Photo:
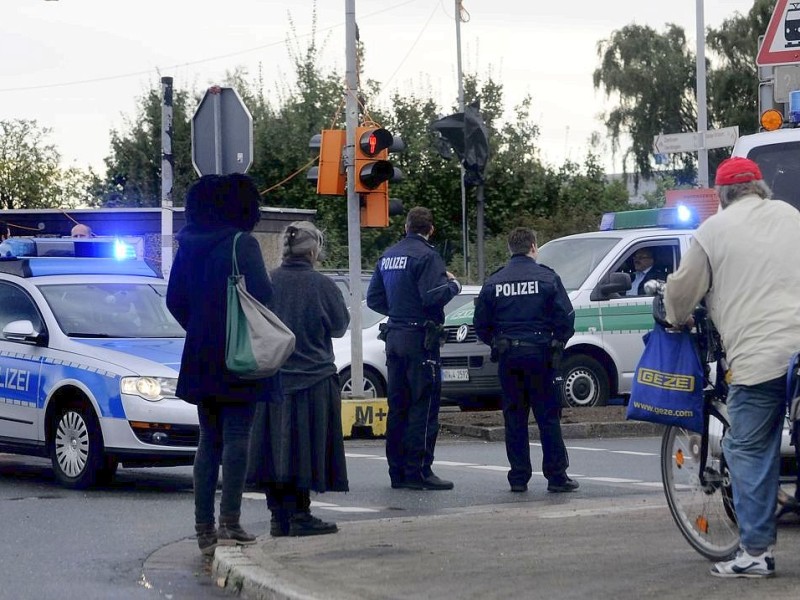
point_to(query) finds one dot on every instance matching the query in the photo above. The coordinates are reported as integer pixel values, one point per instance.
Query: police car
(88, 359)
(595, 268)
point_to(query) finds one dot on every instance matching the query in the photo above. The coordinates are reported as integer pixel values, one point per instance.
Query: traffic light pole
(353, 205)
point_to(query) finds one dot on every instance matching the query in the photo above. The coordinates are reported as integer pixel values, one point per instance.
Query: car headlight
(149, 388)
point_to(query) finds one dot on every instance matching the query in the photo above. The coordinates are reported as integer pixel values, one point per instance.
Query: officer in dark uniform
(524, 313)
(411, 285)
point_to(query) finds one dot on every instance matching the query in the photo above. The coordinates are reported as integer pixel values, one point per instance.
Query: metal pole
(217, 133)
(353, 205)
(464, 228)
(702, 104)
(479, 226)
(167, 170)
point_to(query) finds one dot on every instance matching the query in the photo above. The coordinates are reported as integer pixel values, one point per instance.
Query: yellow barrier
(364, 417)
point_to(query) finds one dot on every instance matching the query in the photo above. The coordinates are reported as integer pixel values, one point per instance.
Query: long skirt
(299, 440)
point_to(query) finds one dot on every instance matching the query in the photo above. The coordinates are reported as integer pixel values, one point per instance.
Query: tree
(733, 84)
(29, 166)
(653, 77)
(133, 170)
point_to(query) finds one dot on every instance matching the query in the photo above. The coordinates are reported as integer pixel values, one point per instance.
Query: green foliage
(30, 174)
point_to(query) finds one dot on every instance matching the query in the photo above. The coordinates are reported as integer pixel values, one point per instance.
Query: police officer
(524, 313)
(411, 285)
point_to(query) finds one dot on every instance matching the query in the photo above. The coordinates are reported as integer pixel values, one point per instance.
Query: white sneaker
(746, 565)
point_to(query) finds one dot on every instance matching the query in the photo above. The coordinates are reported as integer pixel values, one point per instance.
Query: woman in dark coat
(297, 444)
(217, 208)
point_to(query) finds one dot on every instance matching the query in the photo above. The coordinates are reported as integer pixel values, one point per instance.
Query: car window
(16, 305)
(458, 301)
(111, 310)
(574, 259)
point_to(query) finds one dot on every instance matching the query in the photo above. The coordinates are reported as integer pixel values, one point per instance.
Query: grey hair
(728, 194)
(301, 238)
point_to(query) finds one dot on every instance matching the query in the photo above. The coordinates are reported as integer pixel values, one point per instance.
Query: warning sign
(781, 44)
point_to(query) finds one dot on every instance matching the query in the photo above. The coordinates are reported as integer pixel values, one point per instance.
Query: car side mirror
(23, 331)
(610, 285)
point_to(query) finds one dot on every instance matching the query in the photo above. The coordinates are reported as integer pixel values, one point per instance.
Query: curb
(235, 572)
(568, 430)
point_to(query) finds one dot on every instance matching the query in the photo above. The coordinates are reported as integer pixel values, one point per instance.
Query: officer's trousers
(527, 385)
(414, 397)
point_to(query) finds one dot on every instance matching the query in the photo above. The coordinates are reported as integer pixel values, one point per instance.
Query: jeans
(752, 451)
(527, 385)
(225, 438)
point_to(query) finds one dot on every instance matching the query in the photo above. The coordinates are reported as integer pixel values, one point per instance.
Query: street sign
(720, 138)
(781, 44)
(786, 79)
(222, 133)
(692, 141)
(667, 143)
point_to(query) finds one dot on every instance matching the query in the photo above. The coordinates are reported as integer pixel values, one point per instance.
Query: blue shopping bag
(668, 382)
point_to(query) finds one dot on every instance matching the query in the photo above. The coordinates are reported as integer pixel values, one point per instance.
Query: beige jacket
(747, 258)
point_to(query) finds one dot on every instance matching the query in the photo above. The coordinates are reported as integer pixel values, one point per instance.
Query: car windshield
(575, 258)
(113, 310)
(779, 165)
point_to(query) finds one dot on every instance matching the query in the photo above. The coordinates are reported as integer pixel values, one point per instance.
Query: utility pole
(353, 207)
(464, 228)
(702, 103)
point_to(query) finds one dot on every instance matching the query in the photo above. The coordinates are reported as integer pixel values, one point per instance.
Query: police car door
(626, 317)
(20, 366)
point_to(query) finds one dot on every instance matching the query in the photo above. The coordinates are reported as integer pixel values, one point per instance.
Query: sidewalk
(504, 551)
(555, 547)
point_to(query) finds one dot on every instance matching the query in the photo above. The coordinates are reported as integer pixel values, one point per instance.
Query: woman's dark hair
(223, 200)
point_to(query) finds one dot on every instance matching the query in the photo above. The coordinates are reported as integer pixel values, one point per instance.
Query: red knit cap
(737, 170)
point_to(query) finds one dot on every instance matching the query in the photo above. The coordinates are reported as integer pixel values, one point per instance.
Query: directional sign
(692, 141)
(222, 133)
(667, 143)
(721, 138)
(781, 44)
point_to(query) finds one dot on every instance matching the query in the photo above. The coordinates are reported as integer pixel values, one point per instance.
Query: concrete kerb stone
(237, 573)
(568, 430)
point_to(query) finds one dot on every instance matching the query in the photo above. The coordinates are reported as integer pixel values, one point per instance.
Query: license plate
(455, 374)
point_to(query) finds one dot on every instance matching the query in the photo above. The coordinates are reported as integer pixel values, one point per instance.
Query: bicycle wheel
(703, 512)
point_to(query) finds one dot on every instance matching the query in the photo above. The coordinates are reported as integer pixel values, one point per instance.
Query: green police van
(610, 319)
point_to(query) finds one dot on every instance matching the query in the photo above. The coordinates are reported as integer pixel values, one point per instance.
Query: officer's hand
(450, 276)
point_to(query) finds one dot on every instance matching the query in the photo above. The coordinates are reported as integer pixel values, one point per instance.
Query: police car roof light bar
(676, 217)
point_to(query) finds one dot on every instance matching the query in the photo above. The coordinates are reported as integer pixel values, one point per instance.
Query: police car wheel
(585, 382)
(373, 383)
(76, 446)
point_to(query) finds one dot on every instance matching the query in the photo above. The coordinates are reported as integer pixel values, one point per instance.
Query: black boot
(302, 524)
(279, 523)
(230, 533)
(206, 538)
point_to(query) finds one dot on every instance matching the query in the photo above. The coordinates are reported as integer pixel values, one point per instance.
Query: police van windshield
(113, 310)
(575, 258)
(780, 166)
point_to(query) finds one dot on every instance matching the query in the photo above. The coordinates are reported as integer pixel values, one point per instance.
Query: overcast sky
(77, 66)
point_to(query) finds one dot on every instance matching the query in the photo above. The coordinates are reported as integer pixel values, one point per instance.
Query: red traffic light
(375, 141)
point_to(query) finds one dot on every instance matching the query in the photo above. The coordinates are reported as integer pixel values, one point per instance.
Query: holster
(434, 335)
(556, 353)
(383, 329)
(500, 346)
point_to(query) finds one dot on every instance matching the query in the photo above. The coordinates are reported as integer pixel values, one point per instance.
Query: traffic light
(373, 172)
(330, 174)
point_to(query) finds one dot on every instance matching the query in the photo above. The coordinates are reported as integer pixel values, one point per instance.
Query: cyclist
(745, 262)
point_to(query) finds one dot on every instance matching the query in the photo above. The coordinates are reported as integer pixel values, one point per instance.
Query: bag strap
(234, 262)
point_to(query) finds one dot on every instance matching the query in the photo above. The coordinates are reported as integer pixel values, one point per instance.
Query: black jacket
(197, 298)
(410, 283)
(524, 301)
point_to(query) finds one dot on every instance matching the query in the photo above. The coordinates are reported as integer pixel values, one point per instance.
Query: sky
(78, 66)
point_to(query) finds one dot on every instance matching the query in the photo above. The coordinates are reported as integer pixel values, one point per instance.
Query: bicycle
(694, 473)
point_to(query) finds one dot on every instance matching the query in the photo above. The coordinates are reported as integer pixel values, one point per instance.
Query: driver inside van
(643, 270)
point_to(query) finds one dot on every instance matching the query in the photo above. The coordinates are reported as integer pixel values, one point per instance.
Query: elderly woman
(217, 208)
(297, 445)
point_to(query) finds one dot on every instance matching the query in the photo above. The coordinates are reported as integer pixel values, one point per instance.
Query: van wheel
(373, 383)
(585, 382)
(76, 446)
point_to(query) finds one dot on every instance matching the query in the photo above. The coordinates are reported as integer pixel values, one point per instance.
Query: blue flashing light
(40, 267)
(123, 251)
(676, 217)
